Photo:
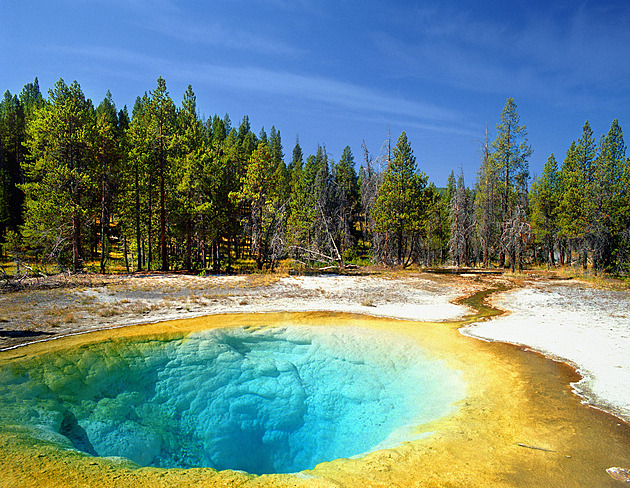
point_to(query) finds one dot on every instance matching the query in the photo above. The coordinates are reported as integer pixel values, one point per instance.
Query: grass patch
(108, 311)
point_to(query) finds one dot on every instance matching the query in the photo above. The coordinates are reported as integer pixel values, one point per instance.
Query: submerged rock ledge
(261, 400)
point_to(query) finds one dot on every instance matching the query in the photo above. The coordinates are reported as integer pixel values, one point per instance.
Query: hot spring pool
(261, 400)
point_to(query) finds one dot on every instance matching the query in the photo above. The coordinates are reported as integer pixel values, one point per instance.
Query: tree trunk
(138, 237)
(150, 229)
(104, 225)
(584, 258)
(76, 243)
(163, 248)
(125, 252)
(188, 257)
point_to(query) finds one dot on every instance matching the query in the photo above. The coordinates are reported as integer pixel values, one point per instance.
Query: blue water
(272, 400)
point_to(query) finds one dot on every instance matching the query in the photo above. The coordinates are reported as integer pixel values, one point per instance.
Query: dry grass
(55, 311)
(108, 311)
(597, 280)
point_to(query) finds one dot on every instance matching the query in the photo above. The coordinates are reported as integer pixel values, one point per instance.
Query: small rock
(619, 474)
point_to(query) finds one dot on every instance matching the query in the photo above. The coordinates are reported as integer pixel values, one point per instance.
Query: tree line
(163, 189)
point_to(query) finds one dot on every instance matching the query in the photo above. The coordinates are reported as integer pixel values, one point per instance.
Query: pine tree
(301, 210)
(576, 207)
(607, 198)
(400, 207)
(108, 153)
(162, 120)
(218, 131)
(544, 208)
(623, 250)
(283, 178)
(31, 98)
(222, 171)
(298, 155)
(12, 136)
(260, 191)
(247, 140)
(345, 177)
(137, 180)
(61, 175)
(511, 153)
(189, 156)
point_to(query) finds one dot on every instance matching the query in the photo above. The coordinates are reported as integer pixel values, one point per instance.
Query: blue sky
(340, 72)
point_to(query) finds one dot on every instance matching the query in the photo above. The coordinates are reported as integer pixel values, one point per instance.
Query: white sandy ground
(586, 327)
(415, 298)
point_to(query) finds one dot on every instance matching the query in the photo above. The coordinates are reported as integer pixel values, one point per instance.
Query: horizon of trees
(163, 189)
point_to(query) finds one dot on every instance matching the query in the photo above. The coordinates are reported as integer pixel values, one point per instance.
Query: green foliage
(12, 155)
(401, 204)
(301, 209)
(5, 199)
(346, 179)
(165, 190)
(261, 191)
(576, 180)
(511, 168)
(582, 207)
(108, 152)
(61, 174)
(510, 156)
(609, 213)
(544, 199)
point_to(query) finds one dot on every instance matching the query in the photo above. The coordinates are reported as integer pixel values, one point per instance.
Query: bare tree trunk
(104, 225)
(163, 248)
(76, 243)
(125, 250)
(138, 237)
(150, 229)
(584, 256)
(188, 256)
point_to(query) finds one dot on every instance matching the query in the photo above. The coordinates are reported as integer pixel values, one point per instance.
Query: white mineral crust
(586, 327)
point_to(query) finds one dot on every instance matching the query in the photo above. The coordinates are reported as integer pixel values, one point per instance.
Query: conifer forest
(161, 189)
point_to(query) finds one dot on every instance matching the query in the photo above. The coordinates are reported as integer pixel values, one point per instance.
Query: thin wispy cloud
(336, 71)
(553, 53)
(334, 93)
(207, 27)
(214, 34)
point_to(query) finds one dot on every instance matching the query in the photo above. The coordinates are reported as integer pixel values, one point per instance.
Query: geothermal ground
(56, 306)
(570, 321)
(520, 424)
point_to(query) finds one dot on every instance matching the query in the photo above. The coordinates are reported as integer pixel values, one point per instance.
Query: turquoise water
(270, 400)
